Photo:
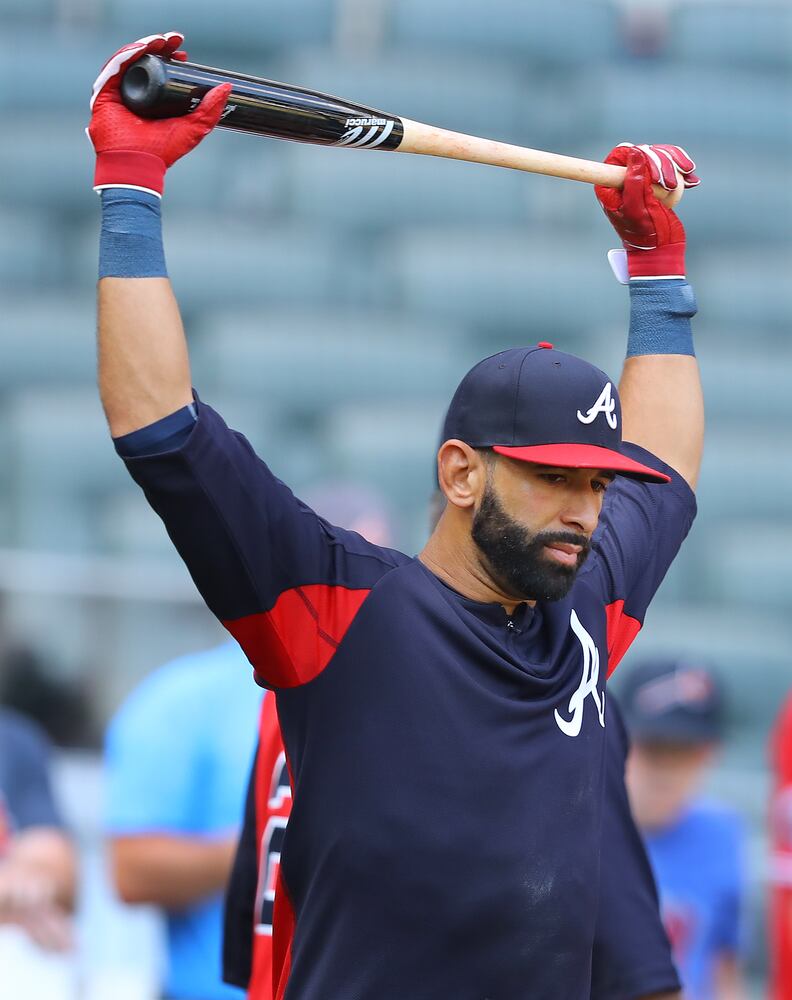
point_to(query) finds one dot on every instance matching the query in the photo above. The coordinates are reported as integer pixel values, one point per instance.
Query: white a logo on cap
(605, 404)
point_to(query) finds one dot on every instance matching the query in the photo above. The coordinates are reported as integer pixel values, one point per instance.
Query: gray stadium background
(334, 298)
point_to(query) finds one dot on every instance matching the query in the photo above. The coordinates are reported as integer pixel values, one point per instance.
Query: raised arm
(144, 371)
(660, 389)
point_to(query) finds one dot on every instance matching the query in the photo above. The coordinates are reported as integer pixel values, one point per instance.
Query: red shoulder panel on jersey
(293, 642)
(622, 630)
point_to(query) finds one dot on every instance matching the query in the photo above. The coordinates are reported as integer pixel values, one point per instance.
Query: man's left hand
(651, 232)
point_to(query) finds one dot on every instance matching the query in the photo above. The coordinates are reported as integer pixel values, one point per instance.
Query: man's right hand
(133, 151)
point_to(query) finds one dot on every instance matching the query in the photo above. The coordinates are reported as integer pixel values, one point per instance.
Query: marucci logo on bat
(366, 132)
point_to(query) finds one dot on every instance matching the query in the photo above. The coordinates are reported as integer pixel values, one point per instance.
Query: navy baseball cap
(672, 701)
(540, 405)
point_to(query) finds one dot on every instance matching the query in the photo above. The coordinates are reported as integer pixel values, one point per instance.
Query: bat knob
(144, 90)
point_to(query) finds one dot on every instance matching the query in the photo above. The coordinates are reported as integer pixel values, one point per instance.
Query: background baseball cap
(672, 701)
(540, 405)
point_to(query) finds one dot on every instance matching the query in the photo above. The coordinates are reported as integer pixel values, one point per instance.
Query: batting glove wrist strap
(130, 244)
(666, 261)
(130, 169)
(660, 315)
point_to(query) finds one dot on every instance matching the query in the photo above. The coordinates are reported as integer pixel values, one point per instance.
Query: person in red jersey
(780, 915)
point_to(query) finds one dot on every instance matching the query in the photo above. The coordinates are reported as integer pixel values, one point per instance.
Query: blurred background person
(38, 870)
(178, 753)
(674, 714)
(780, 902)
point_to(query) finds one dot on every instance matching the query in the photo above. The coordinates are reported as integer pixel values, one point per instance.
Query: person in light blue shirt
(673, 710)
(178, 753)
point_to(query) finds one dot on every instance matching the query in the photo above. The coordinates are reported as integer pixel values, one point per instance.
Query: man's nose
(582, 514)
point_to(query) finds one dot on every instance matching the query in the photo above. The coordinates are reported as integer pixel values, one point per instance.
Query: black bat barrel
(157, 88)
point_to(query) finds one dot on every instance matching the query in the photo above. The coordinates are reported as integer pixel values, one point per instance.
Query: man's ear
(461, 473)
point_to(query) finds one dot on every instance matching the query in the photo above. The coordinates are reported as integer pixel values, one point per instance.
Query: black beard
(515, 558)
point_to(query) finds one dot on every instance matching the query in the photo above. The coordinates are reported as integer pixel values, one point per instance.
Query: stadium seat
(746, 470)
(749, 563)
(60, 183)
(739, 380)
(507, 284)
(214, 262)
(253, 25)
(61, 462)
(731, 205)
(304, 362)
(391, 446)
(50, 73)
(690, 105)
(126, 525)
(218, 260)
(479, 96)
(755, 33)
(358, 190)
(243, 176)
(47, 340)
(28, 13)
(522, 29)
(228, 171)
(743, 289)
(31, 254)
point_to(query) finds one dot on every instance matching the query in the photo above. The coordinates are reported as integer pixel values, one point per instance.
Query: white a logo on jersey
(588, 684)
(605, 404)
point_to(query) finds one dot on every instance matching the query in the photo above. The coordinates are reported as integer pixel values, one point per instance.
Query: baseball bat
(156, 88)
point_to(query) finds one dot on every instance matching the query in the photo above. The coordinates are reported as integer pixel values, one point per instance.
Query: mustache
(565, 538)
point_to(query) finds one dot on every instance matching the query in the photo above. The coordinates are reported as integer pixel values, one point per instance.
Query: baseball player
(631, 958)
(443, 715)
(171, 829)
(250, 896)
(38, 865)
(674, 711)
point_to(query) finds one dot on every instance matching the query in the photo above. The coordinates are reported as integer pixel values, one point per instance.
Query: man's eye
(600, 486)
(553, 477)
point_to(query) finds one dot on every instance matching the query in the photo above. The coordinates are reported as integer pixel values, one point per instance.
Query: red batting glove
(651, 234)
(133, 151)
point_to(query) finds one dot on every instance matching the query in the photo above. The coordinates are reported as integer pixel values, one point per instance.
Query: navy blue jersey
(446, 760)
(631, 957)
(632, 953)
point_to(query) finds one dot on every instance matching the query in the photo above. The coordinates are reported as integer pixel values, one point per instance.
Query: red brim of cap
(582, 456)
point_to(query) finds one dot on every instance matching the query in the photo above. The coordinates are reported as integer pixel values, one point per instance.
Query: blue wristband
(130, 243)
(660, 314)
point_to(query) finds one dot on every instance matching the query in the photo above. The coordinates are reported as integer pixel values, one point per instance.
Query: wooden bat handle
(432, 141)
